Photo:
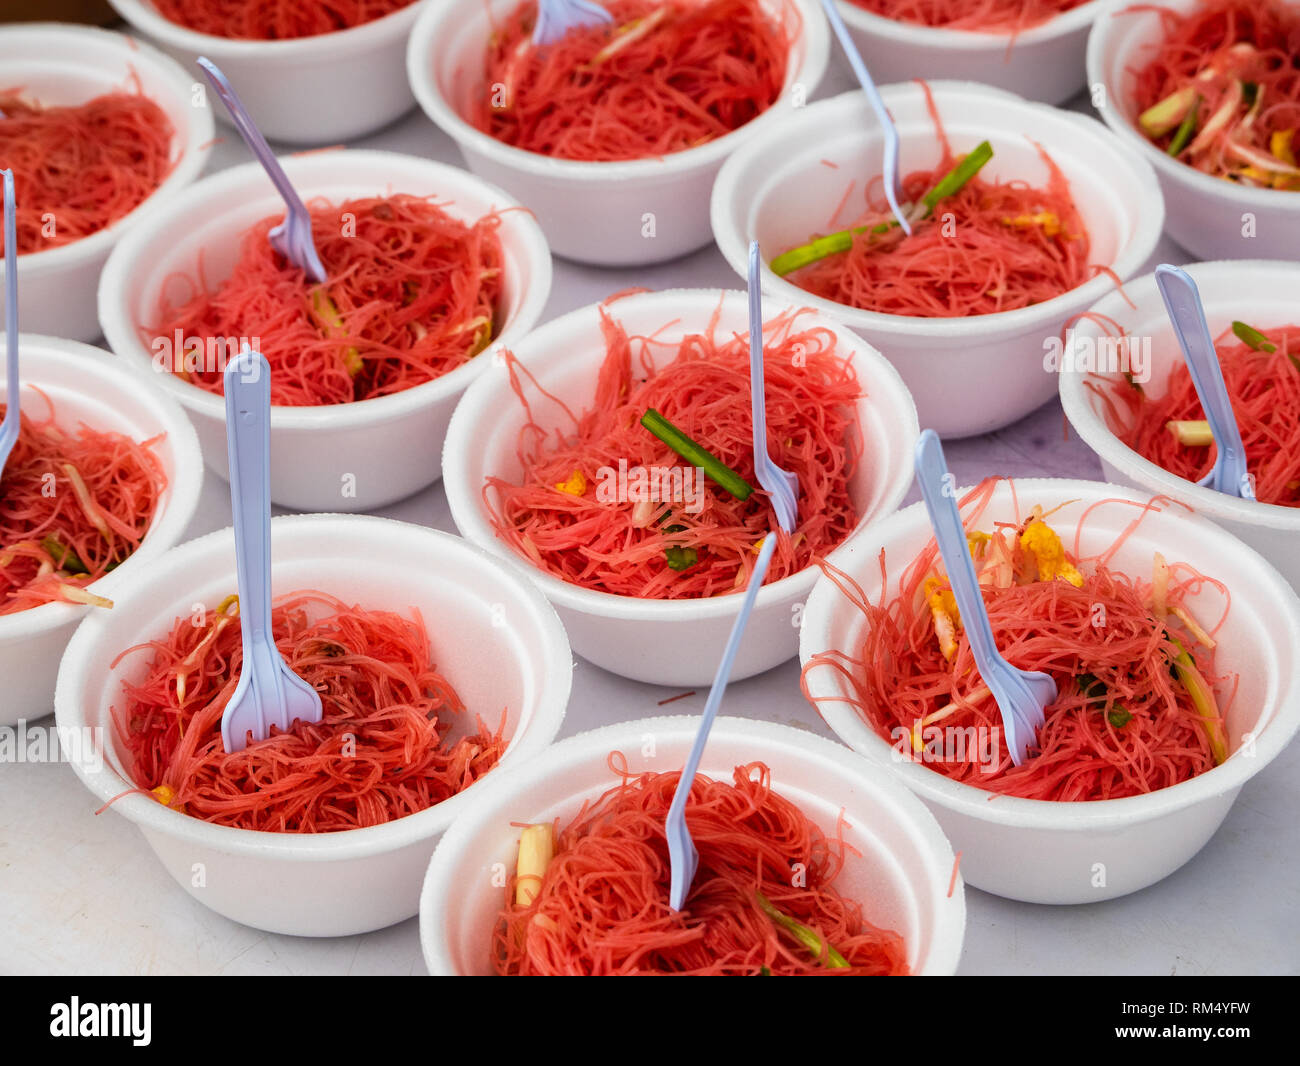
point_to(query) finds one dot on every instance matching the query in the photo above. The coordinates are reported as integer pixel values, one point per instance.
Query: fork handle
(1183, 302)
(680, 880)
(248, 443)
(11, 313)
(256, 143)
(940, 501)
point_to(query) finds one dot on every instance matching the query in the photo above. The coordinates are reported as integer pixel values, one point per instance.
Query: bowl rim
(193, 143)
(1131, 255)
(518, 226)
(146, 18)
(465, 501)
(1094, 431)
(942, 38)
(1106, 32)
(825, 604)
(151, 817)
(949, 916)
(436, 13)
(184, 492)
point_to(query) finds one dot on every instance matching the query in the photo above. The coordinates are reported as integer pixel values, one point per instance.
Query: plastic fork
(268, 693)
(1183, 302)
(781, 485)
(1021, 695)
(682, 856)
(10, 426)
(877, 105)
(555, 18)
(292, 238)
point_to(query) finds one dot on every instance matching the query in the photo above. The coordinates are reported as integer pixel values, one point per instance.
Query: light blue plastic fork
(268, 693)
(877, 105)
(10, 426)
(682, 856)
(555, 18)
(782, 486)
(1021, 695)
(291, 238)
(1183, 302)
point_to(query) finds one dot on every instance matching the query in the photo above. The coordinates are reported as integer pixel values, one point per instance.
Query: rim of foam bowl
(519, 230)
(145, 17)
(120, 55)
(1111, 31)
(429, 31)
(482, 401)
(1133, 252)
(826, 605)
(1092, 427)
(941, 38)
(70, 699)
(594, 744)
(100, 371)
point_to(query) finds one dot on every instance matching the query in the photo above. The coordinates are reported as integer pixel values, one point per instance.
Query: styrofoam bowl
(900, 874)
(1210, 217)
(666, 642)
(1257, 291)
(1048, 852)
(88, 385)
(622, 213)
(60, 65)
(493, 637)
(967, 375)
(1044, 62)
(308, 90)
(337, 457)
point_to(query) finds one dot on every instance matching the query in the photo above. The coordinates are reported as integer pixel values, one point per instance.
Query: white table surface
(82, 894)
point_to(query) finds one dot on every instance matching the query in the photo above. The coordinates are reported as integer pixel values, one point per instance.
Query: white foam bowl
(666, 642)
(59, 66)
(968, 375)
(1259, 292)
(309, 90)
(592, 212)
(1043, 63)
(1047, 852)
(382, 449)
(493, 637)
(1210, 217)
(88, 385)
(901, 874)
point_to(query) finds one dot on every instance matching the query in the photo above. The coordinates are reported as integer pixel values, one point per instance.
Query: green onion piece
(1253, 337)
(832, 244)
(64, 557)
(763, 971)
(1185, 130)
(696, 454)
(807, 937)
(327, 316)
(1258, 341)
(950, 184)
(1184, 668)
(679, 558)
(1093, 689)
